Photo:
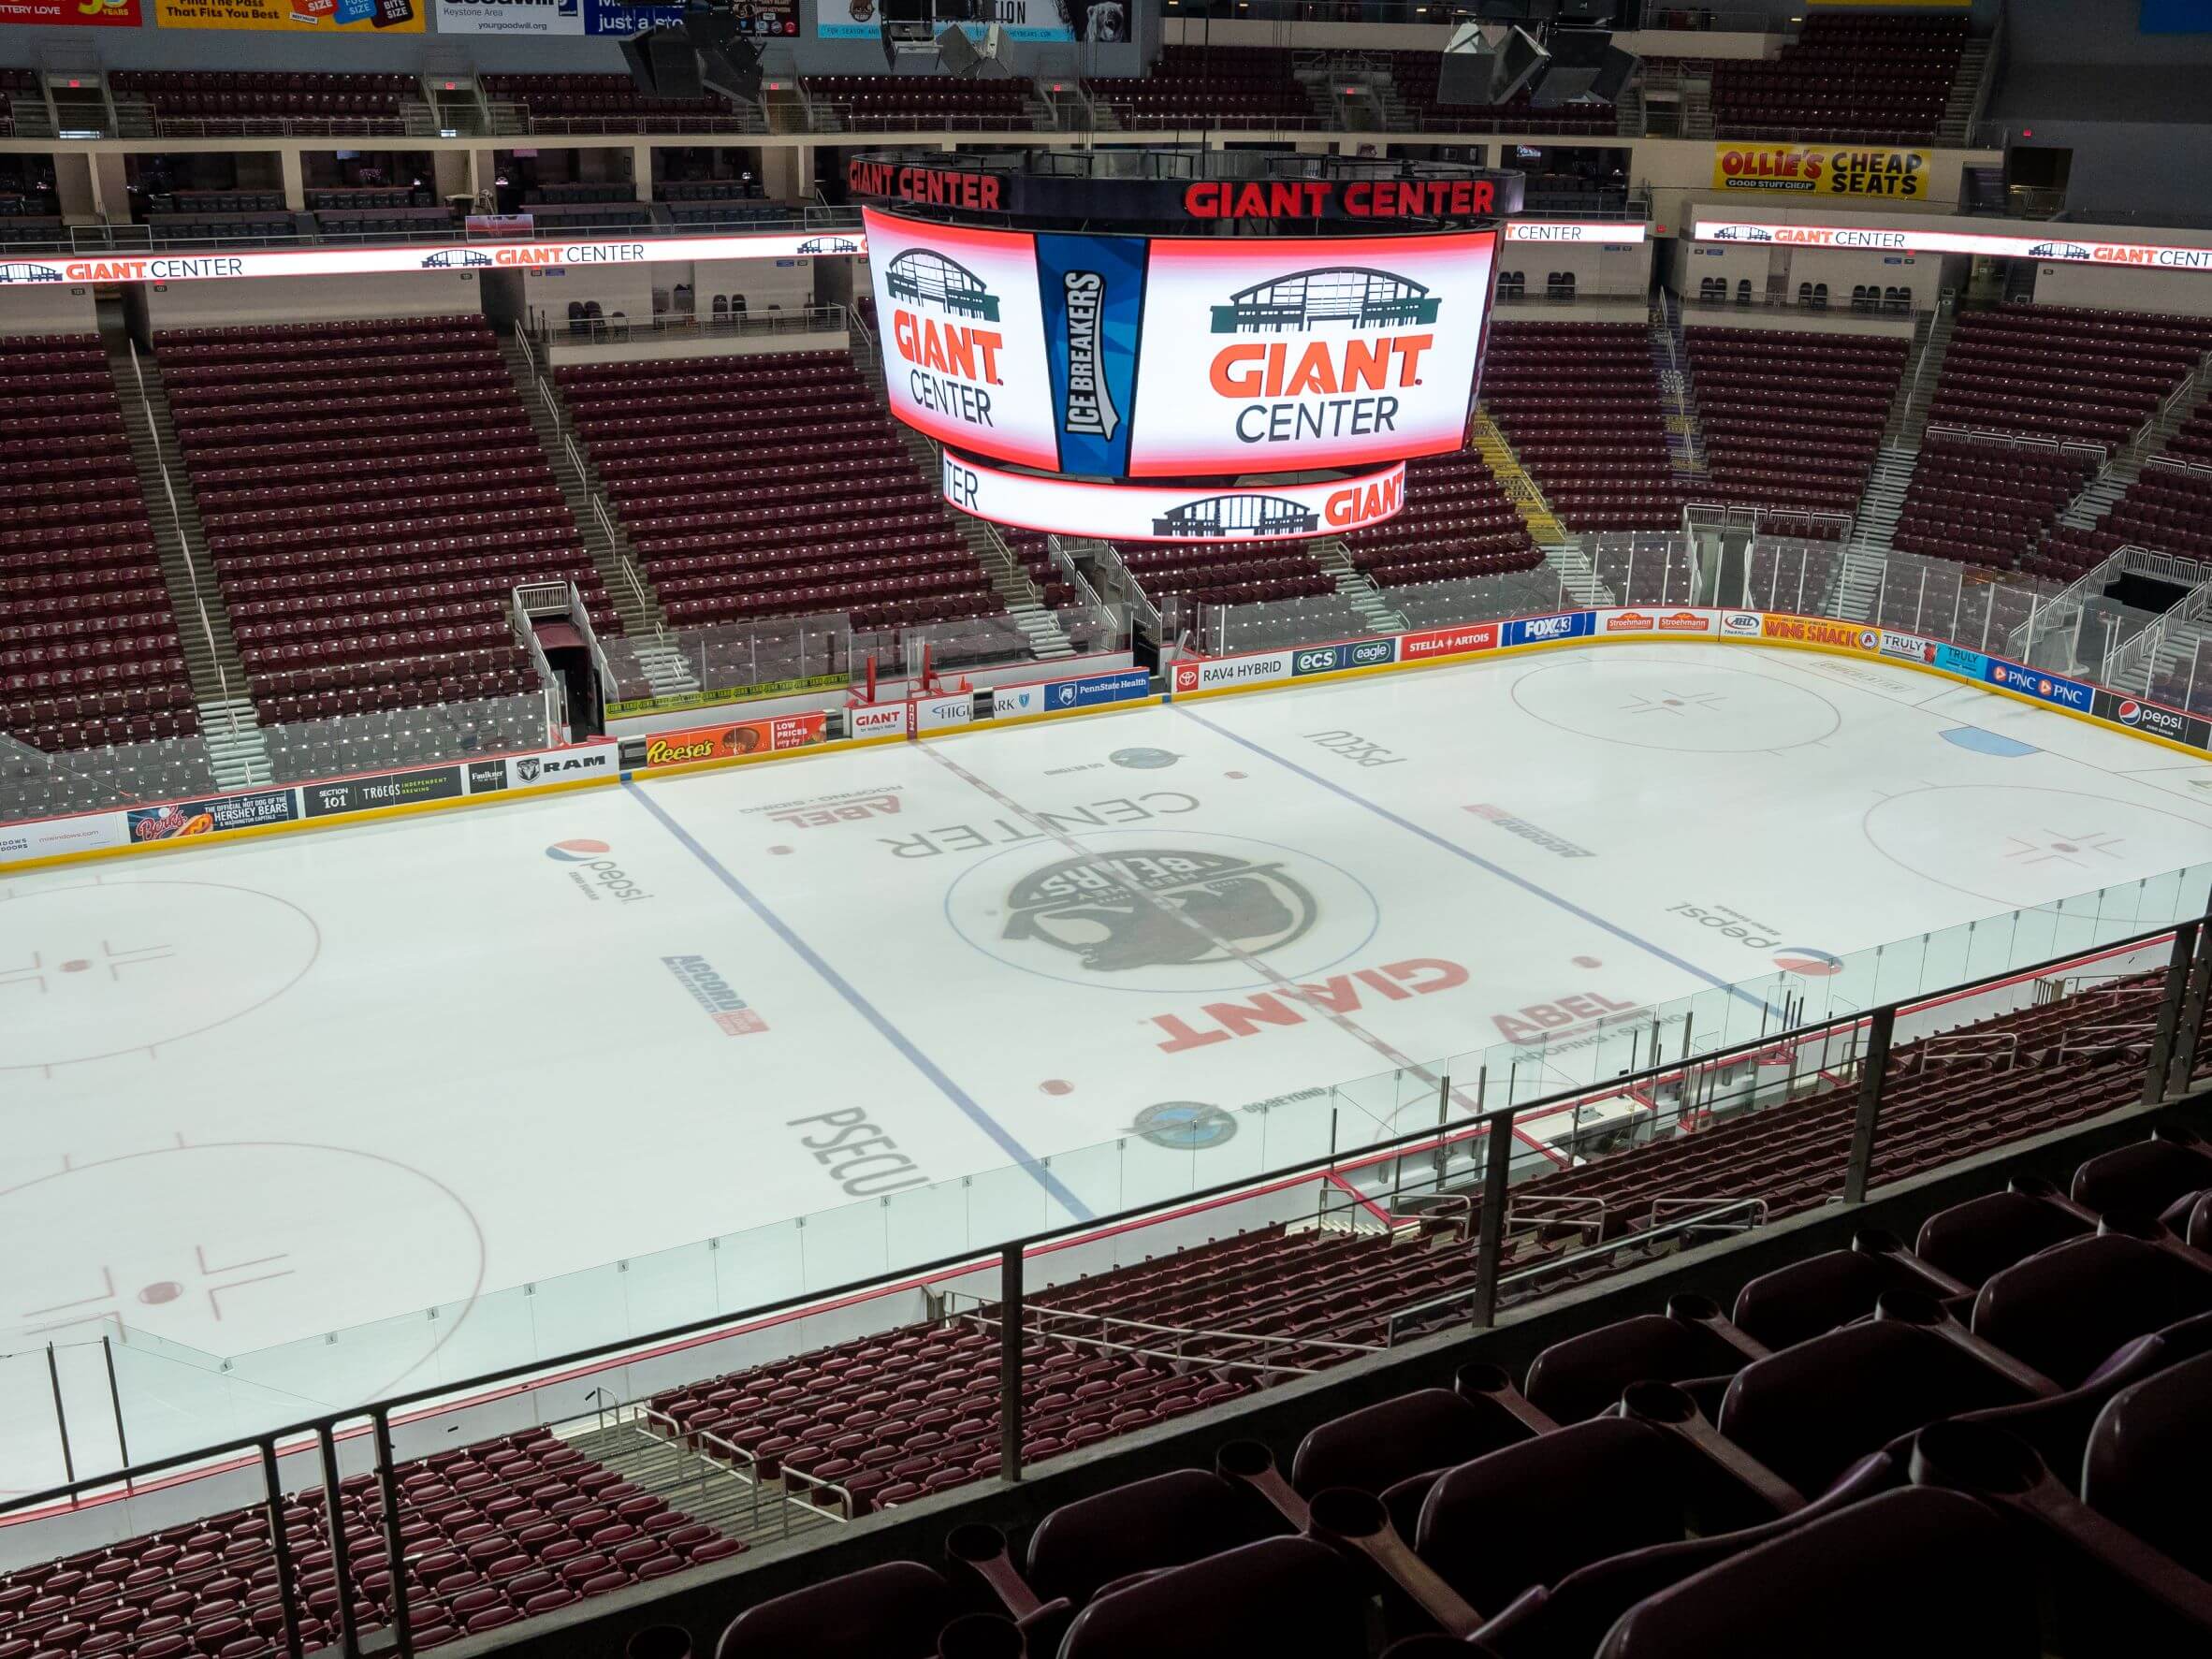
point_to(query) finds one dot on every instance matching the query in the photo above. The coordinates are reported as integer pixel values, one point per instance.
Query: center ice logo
(1159, 906)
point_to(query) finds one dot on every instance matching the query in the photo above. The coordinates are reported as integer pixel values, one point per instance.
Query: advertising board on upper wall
(71, 14)
(1105, 22)
(1821, 169)
(394, 17)
(552, 16)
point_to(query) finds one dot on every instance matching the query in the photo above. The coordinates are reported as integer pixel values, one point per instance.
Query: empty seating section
(1579, 403)
(237, 94)
(1879, 80)
(1956, 601)
(1531, 592)
(1985, 500)
(88, 649)
(2064, 371)
(492, 1533)
(1991, 1442)
(1217, 572)
(591, 99)
(863, 102)
(371, 493)
(1207, 86)
(1415, 75)
(1792, 419)
(771, 485)
(1456, 523)
(871, 1425)
(2168, 507)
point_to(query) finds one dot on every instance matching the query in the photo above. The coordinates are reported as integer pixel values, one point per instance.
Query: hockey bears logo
(1159, 906)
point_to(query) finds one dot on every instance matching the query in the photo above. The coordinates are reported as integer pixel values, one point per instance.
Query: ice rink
(259, 1093)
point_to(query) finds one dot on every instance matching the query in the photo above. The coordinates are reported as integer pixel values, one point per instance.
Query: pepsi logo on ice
(598, 875)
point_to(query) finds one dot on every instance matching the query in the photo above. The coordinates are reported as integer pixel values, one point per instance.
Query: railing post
(394, 1558)
(123, 1446)
(280, 1543)
(1010, 1362)
(2172, 997)
(1489, 1234)
(1873, 1064)
(61, 1420)
(342, 1565)
(2190, 1031)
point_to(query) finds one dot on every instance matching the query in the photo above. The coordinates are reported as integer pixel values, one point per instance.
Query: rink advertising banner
(54, 838)
(179, 820)
(2138, 715)
(2036, 683)
(1958, 660)
(1546, 630)
(395, 17)
(1914, 239)
(676, 702)
(1821, 169)
(581, 763)
(552, 16)
(1820, 631)
(1153, 512)
(733, 741)
(1215, 673)
(877, 720)
(71, 14)
(379, 789)
(1282, 355)
(459, 258)
(939, 714)
(1428, 644)
(1063, 696)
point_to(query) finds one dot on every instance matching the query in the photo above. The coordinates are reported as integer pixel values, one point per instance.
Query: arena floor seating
(1991, 1441)
(1206, 86)
(772, 485)
(1457, 522)
(1579, 402)
(370, 568)
(244, 94)
(612, 100)
(1986, 498)
(89, 648)
(1875, 79)
(1792, 418)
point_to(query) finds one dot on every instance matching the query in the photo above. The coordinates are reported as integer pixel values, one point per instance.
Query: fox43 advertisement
(1287, 353)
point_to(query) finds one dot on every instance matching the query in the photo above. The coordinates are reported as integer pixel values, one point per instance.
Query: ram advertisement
(1283, 355)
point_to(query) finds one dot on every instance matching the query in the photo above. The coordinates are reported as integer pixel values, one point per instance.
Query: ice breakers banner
(1287, 354)
(1093, 292)
(964, 337)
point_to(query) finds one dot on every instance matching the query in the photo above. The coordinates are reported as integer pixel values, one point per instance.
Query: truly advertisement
(1283, 355)
(396, 17)
(1155, 513)
(733, 741)
(1821, 169)
(1954, 659)
(2043, 687)
(964, 336)
(2152, 718)
(1093, 292)
(552, 16)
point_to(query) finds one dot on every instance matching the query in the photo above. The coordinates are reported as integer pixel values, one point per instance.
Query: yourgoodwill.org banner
(395, 17)
(551, 17)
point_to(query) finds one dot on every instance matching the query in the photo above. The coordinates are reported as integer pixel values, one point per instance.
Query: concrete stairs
(1520, 489)
(1697, 120)
(643, 622)
(1629, 109)
(228, 722)
(1883, 501)
(728, 1499)
(1685, 445)
(1576, 575)
(1859, 588)
(1966, 93)
(1916, 387)
(1023, 604)
(1357, 587)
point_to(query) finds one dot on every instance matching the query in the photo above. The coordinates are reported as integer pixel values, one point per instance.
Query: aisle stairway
(1562, 550)
(228, 722)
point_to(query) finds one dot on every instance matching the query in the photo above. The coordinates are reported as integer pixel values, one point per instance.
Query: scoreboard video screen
(1120, 356)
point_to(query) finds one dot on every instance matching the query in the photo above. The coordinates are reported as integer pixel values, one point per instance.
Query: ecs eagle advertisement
(963, 337)
(1284, 354)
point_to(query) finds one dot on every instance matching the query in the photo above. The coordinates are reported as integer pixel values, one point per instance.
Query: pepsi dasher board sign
(1166, 356)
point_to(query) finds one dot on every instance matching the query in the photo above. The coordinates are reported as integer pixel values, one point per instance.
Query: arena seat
(609, 103)
(1579, 403)
(232, 97)
(1871, 81)
(772, 485)
(384, 584)
(886, 103)
(1792, 418)
(1457, 523)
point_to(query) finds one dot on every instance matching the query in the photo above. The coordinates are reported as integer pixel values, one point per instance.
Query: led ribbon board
(1191, 513)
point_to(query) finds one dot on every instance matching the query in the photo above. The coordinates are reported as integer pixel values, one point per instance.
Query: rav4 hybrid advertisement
(1170, 357)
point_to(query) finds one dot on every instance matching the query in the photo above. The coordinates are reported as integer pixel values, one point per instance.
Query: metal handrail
(1078, 1315)
(168, 491)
